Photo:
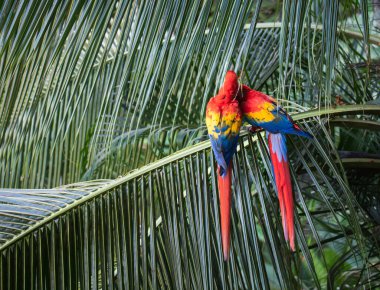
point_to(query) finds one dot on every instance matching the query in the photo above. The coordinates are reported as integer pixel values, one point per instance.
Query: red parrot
(262, 111)
(223, 120)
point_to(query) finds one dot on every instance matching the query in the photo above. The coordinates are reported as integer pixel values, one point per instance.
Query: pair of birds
(225, 113)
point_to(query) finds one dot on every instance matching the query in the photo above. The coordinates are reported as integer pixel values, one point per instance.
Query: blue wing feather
(224, 148)
(282, 123)
(217, 148)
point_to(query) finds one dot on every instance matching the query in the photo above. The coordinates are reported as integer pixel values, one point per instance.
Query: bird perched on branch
(223, 120)
(262, 111)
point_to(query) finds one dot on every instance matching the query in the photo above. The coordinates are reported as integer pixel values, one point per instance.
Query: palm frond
(157, 227)
(81, 77)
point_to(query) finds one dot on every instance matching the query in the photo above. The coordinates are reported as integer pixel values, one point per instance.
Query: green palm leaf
(157, 227)
(96, 89)
(81, 79)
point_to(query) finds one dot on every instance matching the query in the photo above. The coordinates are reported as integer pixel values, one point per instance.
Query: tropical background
(107, 178)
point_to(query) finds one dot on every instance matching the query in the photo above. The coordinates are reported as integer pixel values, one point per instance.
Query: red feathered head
(231, 84)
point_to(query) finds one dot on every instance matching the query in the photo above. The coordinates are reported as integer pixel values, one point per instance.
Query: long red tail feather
(278, 153)
(224, 186)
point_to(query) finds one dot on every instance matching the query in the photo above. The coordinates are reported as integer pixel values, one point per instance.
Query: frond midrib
(347, 109)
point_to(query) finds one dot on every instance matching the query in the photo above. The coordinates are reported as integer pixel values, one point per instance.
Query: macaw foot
(254, 129)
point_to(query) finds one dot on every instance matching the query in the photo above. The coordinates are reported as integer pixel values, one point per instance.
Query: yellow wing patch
(232, 120)
(212, 120)
(264, 114)
(228, 123)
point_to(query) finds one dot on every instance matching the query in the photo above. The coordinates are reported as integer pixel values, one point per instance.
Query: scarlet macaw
(223, 120)
(262, 111)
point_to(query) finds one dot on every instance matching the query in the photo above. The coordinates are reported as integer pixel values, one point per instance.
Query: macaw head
(229, 89)
(231, 83)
